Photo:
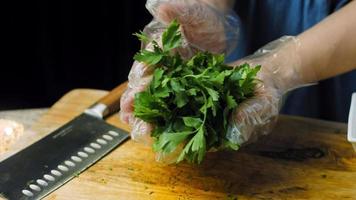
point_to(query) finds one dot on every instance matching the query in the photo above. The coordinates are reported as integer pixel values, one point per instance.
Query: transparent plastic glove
(207, 25)
(279, 73)
(203, 26)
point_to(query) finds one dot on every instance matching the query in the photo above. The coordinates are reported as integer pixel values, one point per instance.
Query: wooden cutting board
(302, 159)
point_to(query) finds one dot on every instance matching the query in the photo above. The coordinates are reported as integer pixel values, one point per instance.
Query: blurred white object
(10, 131)
(351, 132)
(22, 136)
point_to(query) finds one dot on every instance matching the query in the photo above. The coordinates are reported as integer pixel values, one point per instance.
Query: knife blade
(42, 167)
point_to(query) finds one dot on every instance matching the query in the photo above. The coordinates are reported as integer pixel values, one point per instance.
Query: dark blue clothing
(265, 20)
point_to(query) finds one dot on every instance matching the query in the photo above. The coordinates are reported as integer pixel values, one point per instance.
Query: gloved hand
(203, 26)
(279, 73)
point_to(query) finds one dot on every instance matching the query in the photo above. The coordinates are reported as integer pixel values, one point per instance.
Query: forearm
(329, 48)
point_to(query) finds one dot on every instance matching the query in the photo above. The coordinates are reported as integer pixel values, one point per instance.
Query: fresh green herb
(142, 37)
(189, 101)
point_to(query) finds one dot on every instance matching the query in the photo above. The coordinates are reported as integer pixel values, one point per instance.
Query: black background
(51, 47)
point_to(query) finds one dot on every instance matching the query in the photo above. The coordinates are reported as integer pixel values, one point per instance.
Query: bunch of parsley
(189, 101)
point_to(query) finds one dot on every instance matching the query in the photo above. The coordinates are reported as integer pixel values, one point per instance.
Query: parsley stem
(198, 75)
(205, 110)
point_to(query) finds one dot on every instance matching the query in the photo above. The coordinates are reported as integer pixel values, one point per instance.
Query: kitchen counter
(302, 158)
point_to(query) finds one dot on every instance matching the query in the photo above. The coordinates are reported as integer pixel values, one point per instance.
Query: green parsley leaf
(171, 38)
(168, 142)
(148, 57)
(190, 101)
(181, 99)
(157, 76)
(214, 94)
(142, 37)
(230, 101)
(176, 85)
(193, 122)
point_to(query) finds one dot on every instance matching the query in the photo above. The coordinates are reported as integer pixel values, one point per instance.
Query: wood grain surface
(301, 159)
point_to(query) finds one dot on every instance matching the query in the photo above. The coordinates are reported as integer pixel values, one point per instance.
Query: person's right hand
(203, 27)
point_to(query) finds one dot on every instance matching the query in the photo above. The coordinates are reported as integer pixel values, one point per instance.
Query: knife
(42, 167)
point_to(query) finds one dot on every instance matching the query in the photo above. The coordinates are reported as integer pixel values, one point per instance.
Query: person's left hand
(280, 64)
